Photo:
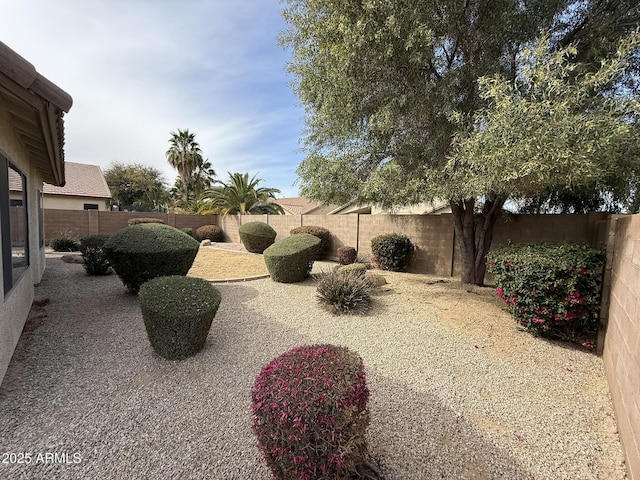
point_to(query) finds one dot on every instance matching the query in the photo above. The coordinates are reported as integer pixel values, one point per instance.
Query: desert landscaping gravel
(457, 391)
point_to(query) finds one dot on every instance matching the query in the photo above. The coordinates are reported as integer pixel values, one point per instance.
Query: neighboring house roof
(35, 108)
(82, 180)
(298, 205)
(427, 208)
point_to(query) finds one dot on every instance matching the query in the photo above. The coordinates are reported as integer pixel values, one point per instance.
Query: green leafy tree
(136, 186)
(184, 155)
(241, 195)
(390, 88)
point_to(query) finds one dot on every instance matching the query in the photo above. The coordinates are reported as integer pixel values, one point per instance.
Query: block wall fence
(437, 254)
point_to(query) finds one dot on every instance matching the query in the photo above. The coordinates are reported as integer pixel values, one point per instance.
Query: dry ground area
(215, 264)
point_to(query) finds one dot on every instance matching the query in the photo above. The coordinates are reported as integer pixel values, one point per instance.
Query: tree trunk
(474, 234)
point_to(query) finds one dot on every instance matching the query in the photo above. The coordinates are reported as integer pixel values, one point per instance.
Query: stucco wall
(64, 202)
(622, 342)
(15, 305)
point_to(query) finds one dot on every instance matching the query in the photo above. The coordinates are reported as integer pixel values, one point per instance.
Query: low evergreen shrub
(209, 232)
(256, 236)
(290, 260)
(188, 231)
(345, 290)
(552, 290)
(141, 252)
(95, 258)
(65, 242)
(392, 251)
(139, 220)
(322, 233)
(177, 313)
(347, 255)
(310, 413)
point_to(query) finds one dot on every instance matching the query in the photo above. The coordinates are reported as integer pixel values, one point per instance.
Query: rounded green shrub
(345, 290)
(322, 233)
(177, 313)
(347, 255)
(209, 232)
(64, 243)
(310, 413)
(187, 230)
(95, 258)
(392, 251)
(139, 220)
(290, 260)
(145, 251)
(256, 236)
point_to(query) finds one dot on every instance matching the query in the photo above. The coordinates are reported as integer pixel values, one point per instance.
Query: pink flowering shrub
(552, 290)
(310, 412)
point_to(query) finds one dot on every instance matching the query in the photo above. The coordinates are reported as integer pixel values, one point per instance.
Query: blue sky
(139, 69)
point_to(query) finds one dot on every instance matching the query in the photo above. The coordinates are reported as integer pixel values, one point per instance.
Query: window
(91, 206)
(13, 223)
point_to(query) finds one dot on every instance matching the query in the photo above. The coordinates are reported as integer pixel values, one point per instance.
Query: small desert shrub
(141, 252)
(256, 236)
(65, 242)
(95, 258)
(177, 313)
(344, 291)
(552, 290)
(188, 231)
(209, 232)
(139, 220)
(347, 255)
(392, 251)
(310, 413)
(322, 233)
(290, 260)
(357, 268)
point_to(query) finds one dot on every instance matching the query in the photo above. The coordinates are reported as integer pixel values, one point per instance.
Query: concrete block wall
(621, 354)
(344, 230)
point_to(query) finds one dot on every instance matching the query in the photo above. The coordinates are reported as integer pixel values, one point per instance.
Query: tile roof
(297, 205)
(82, 180)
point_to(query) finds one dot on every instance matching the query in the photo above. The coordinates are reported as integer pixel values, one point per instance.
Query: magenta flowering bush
(552, 290)
(310, 412)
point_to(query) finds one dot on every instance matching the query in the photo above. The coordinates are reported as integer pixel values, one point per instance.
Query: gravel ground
(457, 391)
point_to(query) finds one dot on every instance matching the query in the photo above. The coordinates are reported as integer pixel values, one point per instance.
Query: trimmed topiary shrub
(95, 258)
(65, 242)
(142, 252)
(209, 232)
(322, 233)
(552, 290)
(177, 313)
(310, 413)
(256, 236)
(139, 220)
(345, 290)
(392, 251)
(347, 255)
(290, 260)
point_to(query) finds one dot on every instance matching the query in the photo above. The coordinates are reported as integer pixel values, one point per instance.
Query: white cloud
(138, 70)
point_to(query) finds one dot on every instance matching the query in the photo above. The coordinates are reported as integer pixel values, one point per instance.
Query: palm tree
(241, 196)
(185, 155)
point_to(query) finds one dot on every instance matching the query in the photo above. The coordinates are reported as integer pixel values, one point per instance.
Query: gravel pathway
(451, 397)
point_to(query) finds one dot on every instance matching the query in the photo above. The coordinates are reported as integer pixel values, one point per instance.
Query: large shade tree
(241, 195)
(184, 155)
(391, 89)
(136, 186)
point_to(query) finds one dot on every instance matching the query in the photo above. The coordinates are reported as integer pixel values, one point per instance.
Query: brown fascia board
(45, 97)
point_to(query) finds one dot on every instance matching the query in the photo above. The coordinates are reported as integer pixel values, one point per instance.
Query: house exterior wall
(15, 305)
(621, 354)
(65, 202)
